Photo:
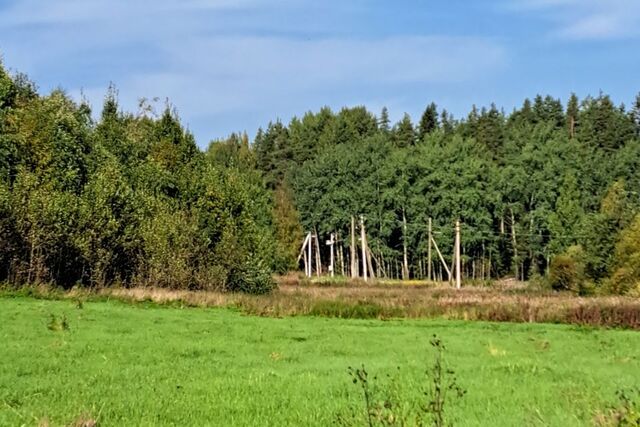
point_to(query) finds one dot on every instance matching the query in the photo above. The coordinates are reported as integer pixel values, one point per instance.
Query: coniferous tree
(428, 121)
(572, 115)
(403, 134)
(384, 122)
(636, 114)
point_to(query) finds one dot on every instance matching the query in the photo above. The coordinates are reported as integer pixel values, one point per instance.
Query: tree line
(547, 183)
(128, 198)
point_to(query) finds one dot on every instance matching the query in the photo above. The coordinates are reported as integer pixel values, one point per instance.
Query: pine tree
(428, 122)
(572, 115)
(403, 133)
(447, 122)
(383, 123)
(490, 130)
(636, 114)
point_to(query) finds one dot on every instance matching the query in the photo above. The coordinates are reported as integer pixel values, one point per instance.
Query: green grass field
(126, 364)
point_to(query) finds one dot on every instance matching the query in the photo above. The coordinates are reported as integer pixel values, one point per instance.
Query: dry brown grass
(503, 303)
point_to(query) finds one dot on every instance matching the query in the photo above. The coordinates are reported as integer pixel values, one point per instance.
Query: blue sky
(234, 65)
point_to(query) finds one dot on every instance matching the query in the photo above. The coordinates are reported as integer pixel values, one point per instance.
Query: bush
(563, 273)
(566, 272)
(253, 277)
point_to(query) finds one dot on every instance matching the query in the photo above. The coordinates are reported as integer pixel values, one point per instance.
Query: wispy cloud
(220, 75)
(217, 58)
(587, 19)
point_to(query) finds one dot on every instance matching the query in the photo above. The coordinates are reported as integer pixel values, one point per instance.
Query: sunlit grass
(125, 364)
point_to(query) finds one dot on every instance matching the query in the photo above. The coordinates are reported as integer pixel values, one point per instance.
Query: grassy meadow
(146, 364)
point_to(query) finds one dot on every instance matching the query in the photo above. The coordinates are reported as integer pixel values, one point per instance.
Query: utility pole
(309, 256)
(354, 261)
(305, 254)
(318, 260)
(331, 242)
(515, 244)
(458, 272)
(435, 245)
(429, 253)
(364, 248)
(405, 260)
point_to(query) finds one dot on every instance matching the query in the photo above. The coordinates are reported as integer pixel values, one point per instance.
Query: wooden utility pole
(304, 256)
(331, 242)
(458, 272)
(309, 256)
(363, 244)
(318, 260)
(340, 253)
(306, 261)
(372, 272)
(429, 253)
(515, 243)
(405, 258)
(354, 261)
(435, 245)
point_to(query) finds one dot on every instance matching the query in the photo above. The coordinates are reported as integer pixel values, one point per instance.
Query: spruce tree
(428, 122)
(447, 122)
(403, 133)
(383, 123)
(635, 114)
(572, 115)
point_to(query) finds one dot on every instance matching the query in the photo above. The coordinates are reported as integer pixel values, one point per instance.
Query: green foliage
(566, 272)
(626, 272)
(526, 186)
(129, 200)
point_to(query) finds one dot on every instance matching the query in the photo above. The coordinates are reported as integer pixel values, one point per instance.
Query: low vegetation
(127, 364)
(349, 300)
(390, 403)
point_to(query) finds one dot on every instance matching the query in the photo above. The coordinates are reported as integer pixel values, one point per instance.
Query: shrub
(563, 273)
(566, 272)
(253, 277)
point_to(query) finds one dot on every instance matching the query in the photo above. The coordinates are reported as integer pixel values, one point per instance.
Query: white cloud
(219, 74)
(588, 19)
(223, 57)
(26, 12)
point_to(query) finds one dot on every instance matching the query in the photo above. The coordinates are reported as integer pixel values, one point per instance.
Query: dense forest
(544, 189)
(120, 198)
(127, 199)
